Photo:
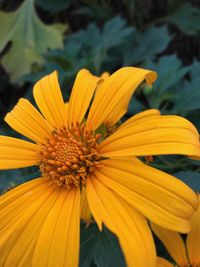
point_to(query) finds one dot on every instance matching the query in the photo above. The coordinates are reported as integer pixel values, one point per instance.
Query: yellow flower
(81, 172)
(184, 254)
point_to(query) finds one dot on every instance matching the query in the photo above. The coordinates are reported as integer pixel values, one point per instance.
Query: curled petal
(115, 92)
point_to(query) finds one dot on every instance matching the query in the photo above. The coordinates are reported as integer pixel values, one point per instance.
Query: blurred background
(39, 36)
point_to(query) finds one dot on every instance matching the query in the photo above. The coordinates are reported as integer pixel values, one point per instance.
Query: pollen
(69, 155)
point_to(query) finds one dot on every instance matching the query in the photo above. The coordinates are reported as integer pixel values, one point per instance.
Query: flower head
(184, 254)
(90, 167)
(69, 155)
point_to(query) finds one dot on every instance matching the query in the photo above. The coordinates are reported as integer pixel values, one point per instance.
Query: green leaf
(102, 248)
(191, 178)
(62, 28)
(108, 252)
(144, 46)
(89, 240)
(194, 118)
(161, 250)
(135, 106)
(115, 32)
(188, 97)
(170, 74)
(189, 92)
(186, 18)
(102, 130)
(54, 5)
(98, 10)
(30, 39)
(195, 69)
(98, 43)
(91, 48)
(12, 178)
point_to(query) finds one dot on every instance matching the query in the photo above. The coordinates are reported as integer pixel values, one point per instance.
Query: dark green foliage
(54, 5)
(101, 248)
(191, 178)
(143, 46)
(161, 250)
(189, 92)
(11, 178)
(89, 240)
(186, 18)
(30, 38)
(92, 47)
(108, 252)
(170, 73)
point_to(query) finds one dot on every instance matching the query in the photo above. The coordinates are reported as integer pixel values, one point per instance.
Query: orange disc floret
(69, 155)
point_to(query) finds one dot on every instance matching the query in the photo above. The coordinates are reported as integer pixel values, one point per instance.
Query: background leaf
(186, 18)
(30, 39)
(11, 178)
(101, 248)
(191, 178)
(170, 73)
(143, 46)
(108, 252)
(97, 43)
(54, 5)
(89, 241)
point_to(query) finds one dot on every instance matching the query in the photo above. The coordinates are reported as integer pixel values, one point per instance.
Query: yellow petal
(129, 225)
(12, 203)
(49, 99)
(105, 75)
(85, 211)
(66, 109)
(81, 96)
(16, 153)
(58, 242)
(26, 120)
(113, 93)
(193, 239)
(153, 136)
(160, 197)
(118, 112)
(173, 243)
(141, 115)
(19, 236)
(163, 263)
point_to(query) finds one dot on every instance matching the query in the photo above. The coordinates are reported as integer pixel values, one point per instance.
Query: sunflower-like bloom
(184, 254)
(84, 169)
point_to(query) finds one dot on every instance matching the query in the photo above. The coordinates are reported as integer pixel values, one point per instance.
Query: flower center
(69, 156)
